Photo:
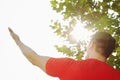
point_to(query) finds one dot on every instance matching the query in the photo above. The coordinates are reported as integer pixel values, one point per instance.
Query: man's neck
(97, 56)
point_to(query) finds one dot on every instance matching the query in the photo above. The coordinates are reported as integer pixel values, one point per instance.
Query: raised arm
(35, 59)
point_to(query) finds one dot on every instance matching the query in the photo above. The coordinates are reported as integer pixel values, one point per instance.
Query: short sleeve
(58, 66)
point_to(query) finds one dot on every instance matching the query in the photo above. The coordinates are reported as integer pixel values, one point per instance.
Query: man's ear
(91, 44)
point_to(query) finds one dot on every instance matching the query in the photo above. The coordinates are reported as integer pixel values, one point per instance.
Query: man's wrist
(18, 42)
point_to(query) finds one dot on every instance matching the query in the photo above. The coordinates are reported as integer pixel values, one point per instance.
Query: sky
(30, 19)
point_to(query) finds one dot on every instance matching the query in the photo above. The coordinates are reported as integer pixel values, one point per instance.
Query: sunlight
(80, 33)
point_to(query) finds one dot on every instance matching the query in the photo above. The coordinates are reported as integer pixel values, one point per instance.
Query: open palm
(14, 36)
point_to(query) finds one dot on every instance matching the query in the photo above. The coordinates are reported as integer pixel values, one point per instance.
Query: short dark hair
(104, 41)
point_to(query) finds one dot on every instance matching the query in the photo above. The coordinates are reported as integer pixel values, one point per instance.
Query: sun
(80, 33)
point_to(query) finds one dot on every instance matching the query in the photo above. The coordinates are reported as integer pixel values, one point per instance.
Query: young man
(93, 67)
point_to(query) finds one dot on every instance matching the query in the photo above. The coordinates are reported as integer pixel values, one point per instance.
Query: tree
(98, 15)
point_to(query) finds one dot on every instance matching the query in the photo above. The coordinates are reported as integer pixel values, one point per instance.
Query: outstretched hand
(13, 35)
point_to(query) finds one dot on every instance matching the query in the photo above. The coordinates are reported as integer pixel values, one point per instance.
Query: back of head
(104, 42)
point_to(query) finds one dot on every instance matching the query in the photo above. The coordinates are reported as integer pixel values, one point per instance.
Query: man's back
(90, 69)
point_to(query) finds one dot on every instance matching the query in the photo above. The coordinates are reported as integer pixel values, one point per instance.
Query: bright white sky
(30, 19)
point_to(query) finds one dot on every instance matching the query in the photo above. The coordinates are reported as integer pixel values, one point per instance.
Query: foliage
(98, 15)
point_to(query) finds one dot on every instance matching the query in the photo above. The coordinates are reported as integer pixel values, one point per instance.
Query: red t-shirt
(90, 69)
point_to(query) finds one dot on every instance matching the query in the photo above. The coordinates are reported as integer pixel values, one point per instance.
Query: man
(93, 67)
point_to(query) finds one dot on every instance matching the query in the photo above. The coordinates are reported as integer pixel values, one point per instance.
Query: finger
(10, 30)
